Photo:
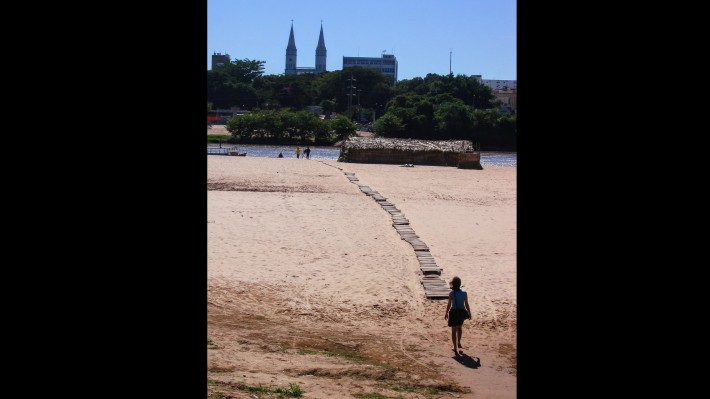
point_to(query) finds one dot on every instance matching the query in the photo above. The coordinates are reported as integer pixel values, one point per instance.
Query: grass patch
(293, 390)
(351, 356)
(426, 390)
(215, 138)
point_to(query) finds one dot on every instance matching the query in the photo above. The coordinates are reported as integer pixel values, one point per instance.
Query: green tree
(389, 126)
(342, 127)
(244, 71)
(328, 107)
(453, 120)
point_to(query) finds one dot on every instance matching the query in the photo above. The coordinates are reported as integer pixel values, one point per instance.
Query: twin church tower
(291, 56)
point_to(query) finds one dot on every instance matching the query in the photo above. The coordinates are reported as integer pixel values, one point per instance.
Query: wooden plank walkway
(434, 286)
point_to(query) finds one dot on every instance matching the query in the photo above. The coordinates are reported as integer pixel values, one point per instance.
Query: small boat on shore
(237, 154)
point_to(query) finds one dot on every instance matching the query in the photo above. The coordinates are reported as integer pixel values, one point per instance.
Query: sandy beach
(310, 284)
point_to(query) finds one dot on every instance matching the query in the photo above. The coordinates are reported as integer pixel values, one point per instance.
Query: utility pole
(450, 51)
(350, 96)
(359, 109)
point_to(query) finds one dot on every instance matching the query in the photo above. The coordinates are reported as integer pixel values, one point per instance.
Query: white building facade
(387, 64)
(500, 84)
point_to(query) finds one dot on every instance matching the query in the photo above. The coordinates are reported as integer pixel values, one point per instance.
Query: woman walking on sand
(457, 310)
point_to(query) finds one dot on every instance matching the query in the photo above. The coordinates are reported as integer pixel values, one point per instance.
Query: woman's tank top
(459, 298)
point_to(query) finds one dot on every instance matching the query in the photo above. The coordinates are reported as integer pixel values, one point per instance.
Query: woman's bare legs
(456, 338)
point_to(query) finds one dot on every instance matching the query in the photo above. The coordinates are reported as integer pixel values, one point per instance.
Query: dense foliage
(436, 107)
(278, 126)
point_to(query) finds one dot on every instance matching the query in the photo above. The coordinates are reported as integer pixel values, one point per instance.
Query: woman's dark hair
(455, 283)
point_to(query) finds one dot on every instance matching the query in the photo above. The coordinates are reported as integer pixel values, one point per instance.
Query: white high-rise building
(387, 64)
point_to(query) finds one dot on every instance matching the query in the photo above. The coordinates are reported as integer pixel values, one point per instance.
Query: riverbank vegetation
(284, 108)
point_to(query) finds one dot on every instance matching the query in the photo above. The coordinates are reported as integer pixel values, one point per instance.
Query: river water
(491, 158)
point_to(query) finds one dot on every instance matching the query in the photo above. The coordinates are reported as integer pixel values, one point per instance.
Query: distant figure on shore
(298, 152)
(457, 309)
(281, 155)
(307, 151)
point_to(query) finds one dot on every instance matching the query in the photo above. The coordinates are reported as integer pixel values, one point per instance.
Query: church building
(291, 56)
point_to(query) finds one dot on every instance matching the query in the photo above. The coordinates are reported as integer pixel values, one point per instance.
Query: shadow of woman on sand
(468, 361)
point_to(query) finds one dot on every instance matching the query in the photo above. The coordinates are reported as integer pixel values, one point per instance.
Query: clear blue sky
(481, 34)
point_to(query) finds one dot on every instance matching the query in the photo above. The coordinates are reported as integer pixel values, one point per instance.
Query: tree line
(435, 107)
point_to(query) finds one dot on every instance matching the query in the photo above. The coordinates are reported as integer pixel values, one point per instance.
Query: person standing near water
(307, 151)
(457, 310)
(298, 152)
